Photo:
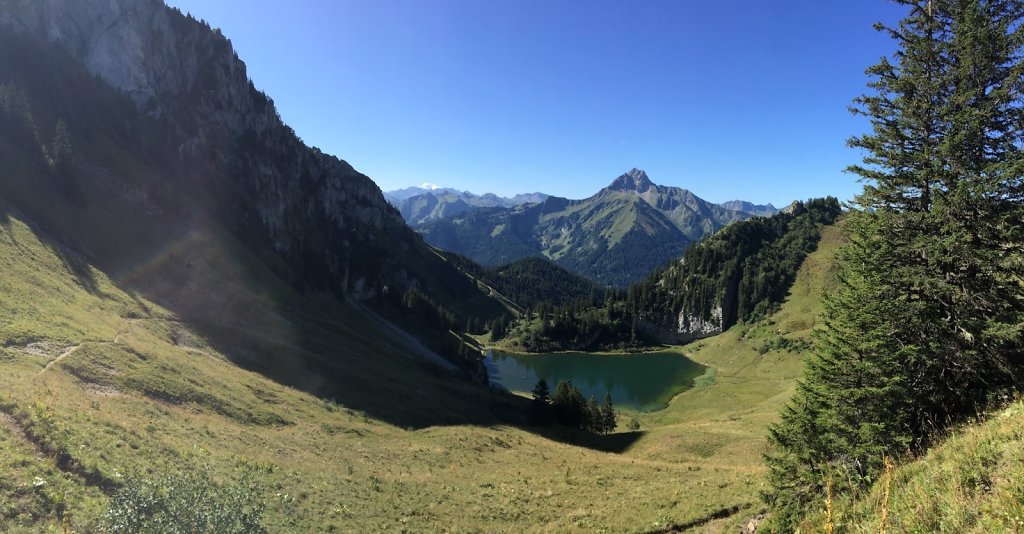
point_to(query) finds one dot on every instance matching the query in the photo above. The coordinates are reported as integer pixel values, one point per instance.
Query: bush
(188, 503)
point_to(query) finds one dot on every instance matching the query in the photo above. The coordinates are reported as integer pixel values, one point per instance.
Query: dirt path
(71, 350)
(67, 352)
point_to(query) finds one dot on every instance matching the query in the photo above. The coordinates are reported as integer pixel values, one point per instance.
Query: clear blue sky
(730, 99)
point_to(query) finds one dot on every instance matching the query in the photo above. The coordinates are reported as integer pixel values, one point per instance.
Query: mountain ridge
(614, 237)
(427, 202)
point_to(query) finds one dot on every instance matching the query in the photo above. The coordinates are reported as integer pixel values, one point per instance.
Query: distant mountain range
(428, 201)
(614, 237)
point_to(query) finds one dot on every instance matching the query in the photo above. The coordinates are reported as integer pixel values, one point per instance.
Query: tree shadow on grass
(616, 443)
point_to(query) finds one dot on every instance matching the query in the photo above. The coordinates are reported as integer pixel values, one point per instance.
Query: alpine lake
(643, 381)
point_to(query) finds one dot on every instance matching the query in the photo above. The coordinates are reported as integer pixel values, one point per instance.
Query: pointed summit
(634, 180)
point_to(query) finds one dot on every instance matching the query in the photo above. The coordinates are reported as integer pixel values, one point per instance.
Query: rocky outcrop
(246, 166)
(697, 327)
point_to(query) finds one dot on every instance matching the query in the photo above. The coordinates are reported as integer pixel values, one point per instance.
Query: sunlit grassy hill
(971, 482)
(98, 383)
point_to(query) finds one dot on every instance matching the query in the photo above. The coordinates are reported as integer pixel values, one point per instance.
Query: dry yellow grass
(969, 483)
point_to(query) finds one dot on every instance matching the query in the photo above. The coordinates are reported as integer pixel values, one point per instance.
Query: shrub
(188, 503)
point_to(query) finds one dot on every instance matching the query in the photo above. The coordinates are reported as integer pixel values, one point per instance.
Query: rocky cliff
(327, 221)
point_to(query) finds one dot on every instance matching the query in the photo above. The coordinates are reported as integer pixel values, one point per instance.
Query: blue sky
(730, 99)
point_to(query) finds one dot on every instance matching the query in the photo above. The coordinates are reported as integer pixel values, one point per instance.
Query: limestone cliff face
(696, 327)
(245, 164)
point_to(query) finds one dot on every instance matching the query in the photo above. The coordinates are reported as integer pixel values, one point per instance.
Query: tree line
(568, 407)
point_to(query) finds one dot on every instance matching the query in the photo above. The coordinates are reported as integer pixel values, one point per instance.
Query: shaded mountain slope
(531, 281)
(174, 181)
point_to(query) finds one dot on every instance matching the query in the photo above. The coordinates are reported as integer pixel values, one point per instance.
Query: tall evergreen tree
(569, 405)
(927, 321)
(852, 408)
(593, 420)
(609, 419)
(540, 405)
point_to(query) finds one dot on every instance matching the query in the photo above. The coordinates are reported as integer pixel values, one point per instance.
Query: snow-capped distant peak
(430, 186)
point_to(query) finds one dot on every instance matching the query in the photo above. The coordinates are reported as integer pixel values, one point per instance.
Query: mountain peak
(634, 180)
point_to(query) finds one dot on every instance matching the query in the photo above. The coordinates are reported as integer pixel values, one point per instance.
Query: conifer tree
(60, 150)
(926, 322)
(540, 406)
(608, 417)
(593, 418)
(852, 407)
(569, 405)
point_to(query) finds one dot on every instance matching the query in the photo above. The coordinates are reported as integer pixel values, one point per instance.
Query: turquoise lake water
(644, 381)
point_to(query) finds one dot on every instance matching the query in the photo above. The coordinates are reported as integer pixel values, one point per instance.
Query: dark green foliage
(570, 409)
(19, 124)
(925, 326)
(498, 329)
(189, 503)
(609, 419)
(592, 418)
(569, 404)
(541, 412)
(745, 270)
(578, 326)
(531, 281)
(852, 408)
(60, 150)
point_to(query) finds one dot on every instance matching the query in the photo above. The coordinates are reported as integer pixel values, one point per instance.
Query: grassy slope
(720, 424)
(972, 482)
(144, 392)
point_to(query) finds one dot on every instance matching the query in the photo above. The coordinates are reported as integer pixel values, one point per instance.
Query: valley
(161, 398)
(209, 324)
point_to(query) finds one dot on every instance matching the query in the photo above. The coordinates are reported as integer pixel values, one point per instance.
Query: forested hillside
(739, 274)
(925, 328)
(530, 282)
